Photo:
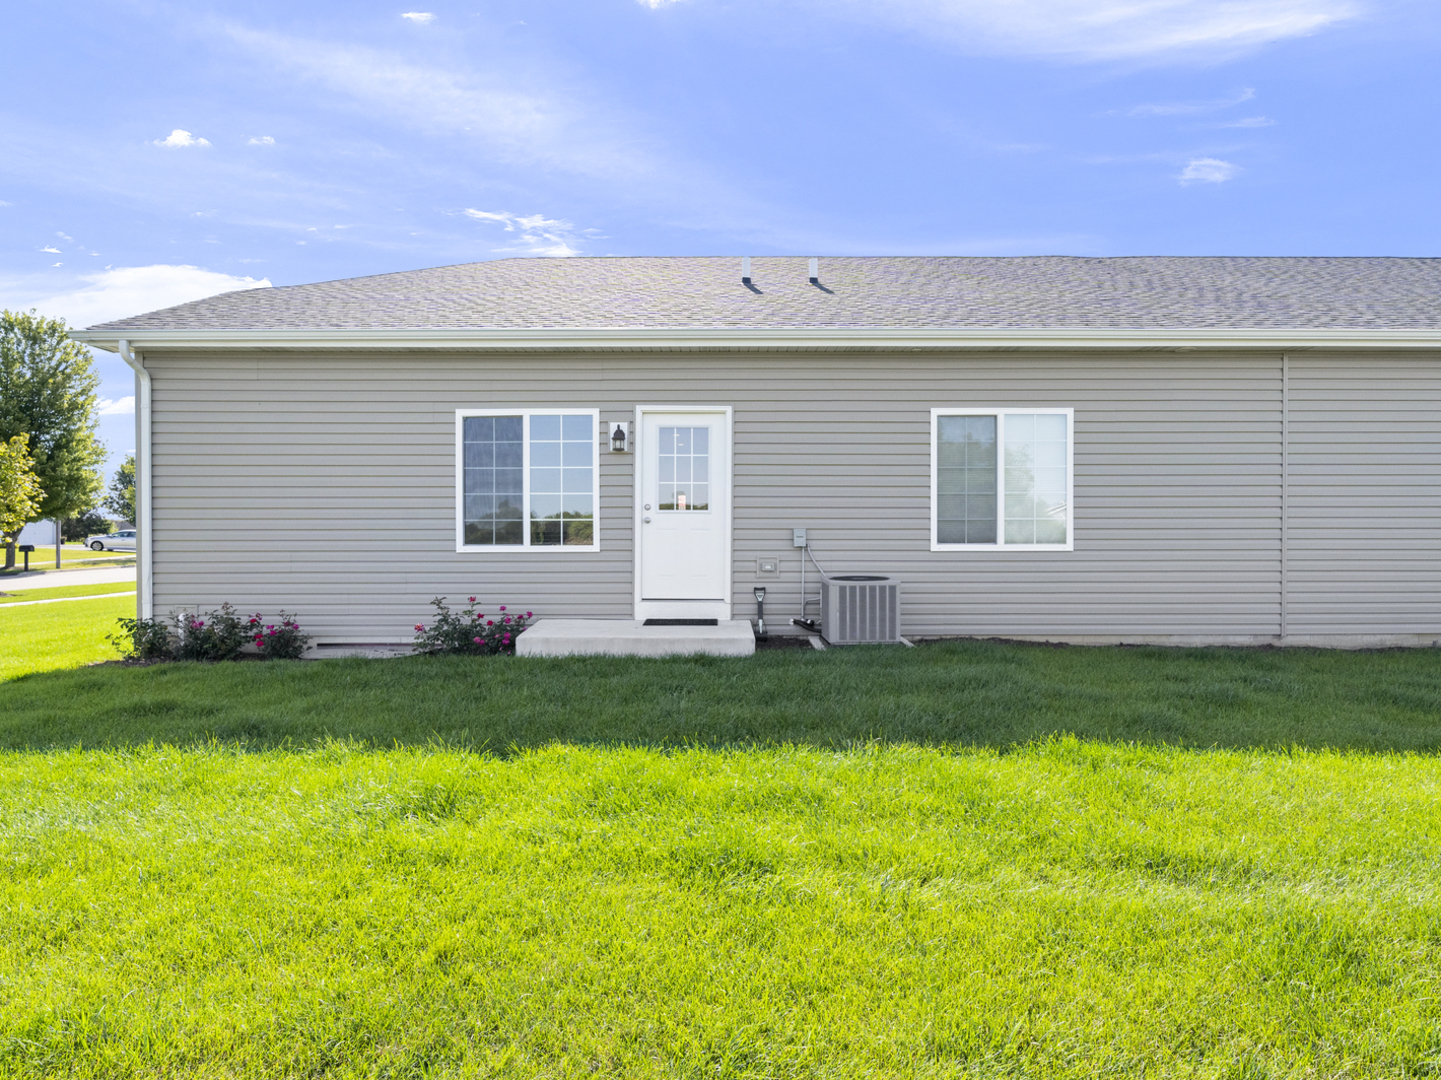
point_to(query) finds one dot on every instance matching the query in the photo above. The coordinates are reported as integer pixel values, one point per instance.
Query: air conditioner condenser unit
(860, 609)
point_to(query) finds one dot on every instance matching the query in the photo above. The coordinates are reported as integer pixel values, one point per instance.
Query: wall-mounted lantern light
(619, 438)
(760, 595)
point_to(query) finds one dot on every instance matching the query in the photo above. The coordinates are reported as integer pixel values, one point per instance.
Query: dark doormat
(680, 622)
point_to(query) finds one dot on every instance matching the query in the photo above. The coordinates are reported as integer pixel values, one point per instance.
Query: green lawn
(48, 637)
(1063, 910)
(21, 596)
(862, 863)
(44, 556)
(945, 695)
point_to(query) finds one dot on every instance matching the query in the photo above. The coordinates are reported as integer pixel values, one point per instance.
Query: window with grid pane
(684, 468)
(528, 479)
(562, 455)
(1002, 478)
(966, 479)
(494, 485)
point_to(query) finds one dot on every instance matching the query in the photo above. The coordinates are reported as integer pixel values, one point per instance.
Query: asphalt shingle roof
(883, 292)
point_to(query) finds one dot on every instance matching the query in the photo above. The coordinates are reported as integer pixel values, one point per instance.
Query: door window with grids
(527, 480)
(1001, 478)
(684, 468)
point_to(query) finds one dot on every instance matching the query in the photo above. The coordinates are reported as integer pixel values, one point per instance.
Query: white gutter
(144, 503)
(611, 338)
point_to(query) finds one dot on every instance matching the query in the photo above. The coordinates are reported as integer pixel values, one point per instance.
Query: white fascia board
(748, 338)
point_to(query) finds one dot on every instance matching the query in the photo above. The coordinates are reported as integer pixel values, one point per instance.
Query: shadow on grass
(973, 693)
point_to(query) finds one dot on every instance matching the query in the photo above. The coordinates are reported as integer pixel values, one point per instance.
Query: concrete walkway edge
(64, 599)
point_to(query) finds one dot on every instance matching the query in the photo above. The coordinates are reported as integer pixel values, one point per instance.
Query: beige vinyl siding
(1364, 514)
(325, 484)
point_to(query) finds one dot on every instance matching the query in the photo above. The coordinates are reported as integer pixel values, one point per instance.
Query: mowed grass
(1060, 910)
(51, 637)
(952, 694)
(20, 596)
(962, 860)
(43, 556)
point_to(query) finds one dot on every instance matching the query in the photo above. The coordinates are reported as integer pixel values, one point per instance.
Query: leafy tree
(20, 491)
(47, 392)
(90, 523)
(121, 499)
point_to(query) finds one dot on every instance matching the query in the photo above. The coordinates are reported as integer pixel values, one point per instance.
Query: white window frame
(525, 546)
(1000, 413)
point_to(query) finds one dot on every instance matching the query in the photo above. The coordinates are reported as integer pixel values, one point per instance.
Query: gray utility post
(57, 543)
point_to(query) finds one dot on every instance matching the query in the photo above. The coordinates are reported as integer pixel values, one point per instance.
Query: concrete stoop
(631, 637)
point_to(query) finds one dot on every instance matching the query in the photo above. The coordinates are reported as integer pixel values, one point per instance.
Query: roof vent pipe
(815, 272)
(745, 269)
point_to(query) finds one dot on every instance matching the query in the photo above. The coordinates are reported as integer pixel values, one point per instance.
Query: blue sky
(155, 153)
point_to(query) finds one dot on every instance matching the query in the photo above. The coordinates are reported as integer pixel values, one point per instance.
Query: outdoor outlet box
(768, 566)
(798, 537)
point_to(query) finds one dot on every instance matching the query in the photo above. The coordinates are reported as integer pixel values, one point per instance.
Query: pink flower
(477, 640)
(502, 607)
(419, 626)
(472, 599)
(527, 614)
(273, 630)
(507, 618)
(489, 622)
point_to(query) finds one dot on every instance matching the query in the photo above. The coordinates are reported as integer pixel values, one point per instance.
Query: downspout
(1285, 494)
(144, 503)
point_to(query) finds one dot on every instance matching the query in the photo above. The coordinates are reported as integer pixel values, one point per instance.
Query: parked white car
(116, 541)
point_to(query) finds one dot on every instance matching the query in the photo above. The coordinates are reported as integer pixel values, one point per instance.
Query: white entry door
(684, 516)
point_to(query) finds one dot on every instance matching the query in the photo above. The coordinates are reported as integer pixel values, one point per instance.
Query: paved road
(54, 579)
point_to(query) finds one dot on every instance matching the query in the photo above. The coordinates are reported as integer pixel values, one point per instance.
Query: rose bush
(469, 631)
(278, 641)
(212, 636)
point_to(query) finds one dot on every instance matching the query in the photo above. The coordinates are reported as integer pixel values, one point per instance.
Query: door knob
(647, 506)
(647, 521)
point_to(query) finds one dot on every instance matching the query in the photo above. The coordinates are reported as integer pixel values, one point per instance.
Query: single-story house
(1170, 450)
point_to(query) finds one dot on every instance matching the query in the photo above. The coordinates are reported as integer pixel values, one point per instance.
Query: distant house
(42, 533)
(1175, 450)
(38, 533)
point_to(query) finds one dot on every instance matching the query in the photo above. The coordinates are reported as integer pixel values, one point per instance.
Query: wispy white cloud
(64, 237)
(1091, 30)
(261, 140)
(492, 106)
(1191, 108)
(418, 16)
(654, 4)
(50, 250)
(1247, 122)
(535, 234)
(118, 292)
(179, 138)
(119, 407)
(1208, 171)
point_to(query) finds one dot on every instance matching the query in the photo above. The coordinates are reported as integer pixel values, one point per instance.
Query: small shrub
(278, 641)
(469, 631)
(143, 639)
(220, 635)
